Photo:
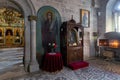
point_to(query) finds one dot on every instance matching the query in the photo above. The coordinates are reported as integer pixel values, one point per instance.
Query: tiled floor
(98, 70)
(89, 73)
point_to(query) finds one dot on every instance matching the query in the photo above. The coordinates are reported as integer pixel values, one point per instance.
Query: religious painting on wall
(85, 18)
(49, 24)
(1, 35)
(17, 37)
(49, 29)
(9, 36)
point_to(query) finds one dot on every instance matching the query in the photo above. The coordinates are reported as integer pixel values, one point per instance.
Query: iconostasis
(11, 28)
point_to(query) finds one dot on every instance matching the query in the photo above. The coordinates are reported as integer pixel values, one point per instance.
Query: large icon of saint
(49, 31)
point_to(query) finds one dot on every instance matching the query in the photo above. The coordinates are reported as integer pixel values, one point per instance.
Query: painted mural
(47, 32)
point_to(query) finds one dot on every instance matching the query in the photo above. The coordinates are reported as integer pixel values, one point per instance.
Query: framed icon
(85, 18)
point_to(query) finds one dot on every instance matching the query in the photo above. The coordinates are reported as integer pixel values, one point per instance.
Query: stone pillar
(33, 66)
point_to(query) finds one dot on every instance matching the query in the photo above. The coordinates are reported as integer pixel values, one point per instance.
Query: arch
(11, 4)
(41, 17)
(26, 7)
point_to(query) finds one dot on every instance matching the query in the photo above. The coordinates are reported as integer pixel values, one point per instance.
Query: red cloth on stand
(53, 62)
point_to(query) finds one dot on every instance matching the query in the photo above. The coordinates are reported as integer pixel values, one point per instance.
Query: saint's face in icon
(49, 16)
(9, 32)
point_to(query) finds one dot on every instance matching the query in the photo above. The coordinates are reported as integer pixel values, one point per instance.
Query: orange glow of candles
(114, 43)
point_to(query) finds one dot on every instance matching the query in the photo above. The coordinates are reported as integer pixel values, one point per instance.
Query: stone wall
(66, 8)
(102, 17)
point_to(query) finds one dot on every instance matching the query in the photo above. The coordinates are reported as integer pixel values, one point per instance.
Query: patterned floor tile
(97, 70)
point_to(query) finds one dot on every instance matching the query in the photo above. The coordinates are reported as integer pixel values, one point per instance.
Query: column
(33, 66)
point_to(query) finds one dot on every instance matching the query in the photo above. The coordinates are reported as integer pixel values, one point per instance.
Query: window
(117, 21)
(116, 13)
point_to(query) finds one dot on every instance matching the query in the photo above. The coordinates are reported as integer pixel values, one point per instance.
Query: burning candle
(114, 43)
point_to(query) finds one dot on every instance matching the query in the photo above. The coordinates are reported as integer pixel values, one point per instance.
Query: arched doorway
(11, 37)
(25, 7)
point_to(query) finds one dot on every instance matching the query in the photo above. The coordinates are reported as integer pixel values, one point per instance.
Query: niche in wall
(46, 33)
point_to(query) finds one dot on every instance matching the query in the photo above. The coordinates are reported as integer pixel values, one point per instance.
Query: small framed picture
(85, 18)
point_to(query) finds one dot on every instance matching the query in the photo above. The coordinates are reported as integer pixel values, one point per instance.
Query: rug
(78, 64)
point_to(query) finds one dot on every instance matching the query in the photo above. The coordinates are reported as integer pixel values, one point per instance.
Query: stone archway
(26, 7)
